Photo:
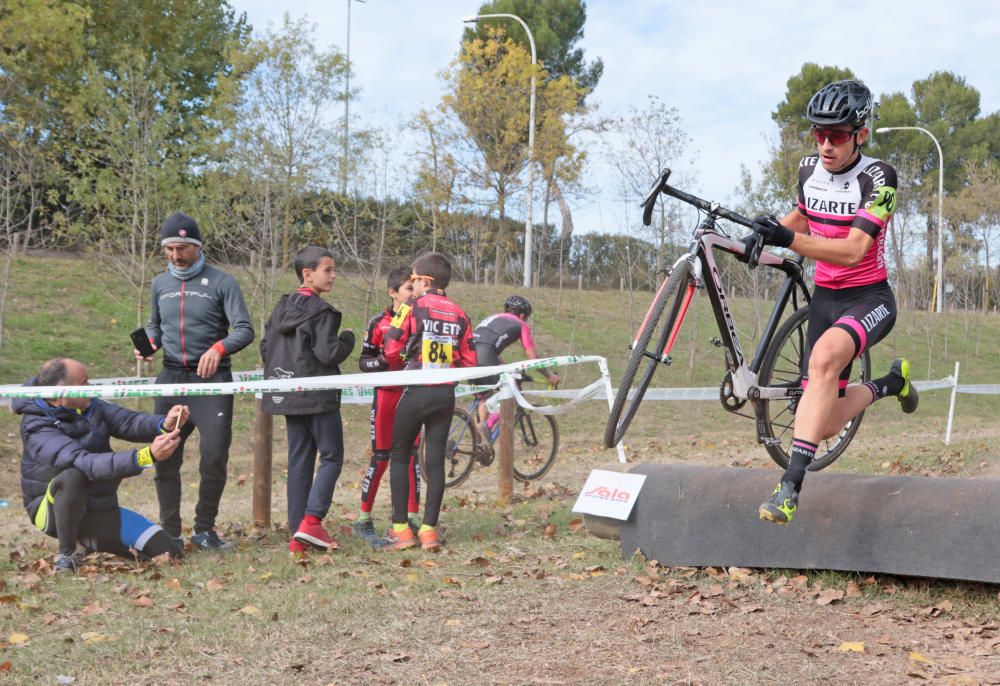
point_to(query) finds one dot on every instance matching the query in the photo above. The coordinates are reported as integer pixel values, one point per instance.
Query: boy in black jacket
(301, 339)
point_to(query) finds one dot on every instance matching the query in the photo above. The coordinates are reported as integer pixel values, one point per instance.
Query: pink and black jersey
(863, 196)
(501, 330)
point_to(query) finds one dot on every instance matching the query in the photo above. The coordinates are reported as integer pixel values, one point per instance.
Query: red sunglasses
(835, 136)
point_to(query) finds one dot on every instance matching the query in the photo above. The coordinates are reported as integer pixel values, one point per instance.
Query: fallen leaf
(575, 524)
(852, 647)
(93, 637)
(214, 585)
(398, 657)
(917, 657)
(5, 667)
(249, 610)
(241, 480)
(478, 562)
(143, 601)
(8, 598)
(15, 639)
(265, 576)
(453, 622)
(491, 580)
(828, 596)
(550, 531)
(174, 584)
(579, 555)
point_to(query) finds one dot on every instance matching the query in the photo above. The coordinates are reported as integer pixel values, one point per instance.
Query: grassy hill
(70, 306)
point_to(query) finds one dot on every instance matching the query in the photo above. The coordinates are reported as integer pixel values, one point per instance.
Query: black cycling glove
(772, 231)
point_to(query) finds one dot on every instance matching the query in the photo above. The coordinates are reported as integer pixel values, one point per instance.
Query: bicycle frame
(705, 240)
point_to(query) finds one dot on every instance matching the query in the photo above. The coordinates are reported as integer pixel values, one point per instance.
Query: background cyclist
(495, 334)
(844, 205)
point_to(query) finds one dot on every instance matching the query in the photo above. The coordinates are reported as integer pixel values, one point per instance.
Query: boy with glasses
(433, 333)
(845, 202)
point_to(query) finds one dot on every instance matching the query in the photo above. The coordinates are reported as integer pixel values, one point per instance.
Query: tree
(489, 91)
(557, 27)
(282, 141)
(647, 142)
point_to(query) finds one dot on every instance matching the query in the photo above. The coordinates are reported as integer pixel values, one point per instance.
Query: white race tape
(416, 377)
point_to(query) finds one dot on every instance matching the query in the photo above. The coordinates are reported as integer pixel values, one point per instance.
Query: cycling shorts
(487, 356)
(867, 313)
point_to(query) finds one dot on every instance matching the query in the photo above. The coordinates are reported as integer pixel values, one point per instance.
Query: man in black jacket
(200, 320)
(301, 339)
(70, 474)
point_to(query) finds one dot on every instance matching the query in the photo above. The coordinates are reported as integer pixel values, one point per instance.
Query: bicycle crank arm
(755, 393)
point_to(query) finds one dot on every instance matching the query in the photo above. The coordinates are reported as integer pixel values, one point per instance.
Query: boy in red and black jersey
(383, 414)
(434, 333)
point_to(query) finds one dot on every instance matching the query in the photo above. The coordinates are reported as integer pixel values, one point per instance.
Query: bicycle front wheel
(677, 291)
(536, 442)
(782, 367)
(459, 450)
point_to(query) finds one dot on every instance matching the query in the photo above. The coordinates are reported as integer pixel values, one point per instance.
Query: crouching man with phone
(70, 475)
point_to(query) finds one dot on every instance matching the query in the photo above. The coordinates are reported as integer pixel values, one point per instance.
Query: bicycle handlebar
(714, 209)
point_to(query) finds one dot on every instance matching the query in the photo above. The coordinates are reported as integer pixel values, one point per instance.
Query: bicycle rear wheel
(459, 451)
(536, 442)
(782, 366)
(677, 291)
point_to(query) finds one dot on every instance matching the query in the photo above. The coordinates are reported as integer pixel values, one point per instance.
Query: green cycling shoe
(908, 397)
(781, 506)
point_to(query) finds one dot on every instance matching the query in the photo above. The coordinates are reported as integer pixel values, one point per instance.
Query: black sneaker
(67, 564)
(781, 506)
(908, 397)
(210, 541)
(365, 530)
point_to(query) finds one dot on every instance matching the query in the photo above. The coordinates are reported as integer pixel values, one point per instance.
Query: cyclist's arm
(528, 342)
(847, 252)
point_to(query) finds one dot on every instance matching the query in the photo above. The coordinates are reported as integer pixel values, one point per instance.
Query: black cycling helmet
(841, 102)
(518, 305)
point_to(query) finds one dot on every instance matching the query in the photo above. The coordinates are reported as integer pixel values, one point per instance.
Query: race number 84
(436, 354)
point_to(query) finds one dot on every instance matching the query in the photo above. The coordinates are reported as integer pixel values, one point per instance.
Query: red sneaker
(315, 535)
(429, 540)
(400, 540)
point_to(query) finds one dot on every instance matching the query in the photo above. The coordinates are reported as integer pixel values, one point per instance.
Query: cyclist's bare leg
(819, 404)
(820, 408)
(856, 398)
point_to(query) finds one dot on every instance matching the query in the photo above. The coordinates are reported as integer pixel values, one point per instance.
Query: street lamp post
(347, 102)
(531, 140)
(940, 246)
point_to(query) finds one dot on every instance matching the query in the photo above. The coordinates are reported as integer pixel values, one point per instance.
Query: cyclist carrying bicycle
(495, 334)
(845, 202)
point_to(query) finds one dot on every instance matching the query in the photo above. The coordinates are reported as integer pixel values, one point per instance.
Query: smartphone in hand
(140, 339)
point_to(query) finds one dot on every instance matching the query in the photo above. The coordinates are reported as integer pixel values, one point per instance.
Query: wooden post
(505, 453)
(263, 432)
(579, 281)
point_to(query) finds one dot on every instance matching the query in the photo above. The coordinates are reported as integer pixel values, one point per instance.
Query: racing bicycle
(536, 442)
(772, 379)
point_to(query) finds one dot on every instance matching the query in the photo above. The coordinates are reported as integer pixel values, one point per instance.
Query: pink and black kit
(856, 299)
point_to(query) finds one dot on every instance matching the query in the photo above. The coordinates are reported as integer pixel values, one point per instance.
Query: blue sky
(723, 65)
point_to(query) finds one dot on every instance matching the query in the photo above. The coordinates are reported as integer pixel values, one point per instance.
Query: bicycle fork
(692, 284)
